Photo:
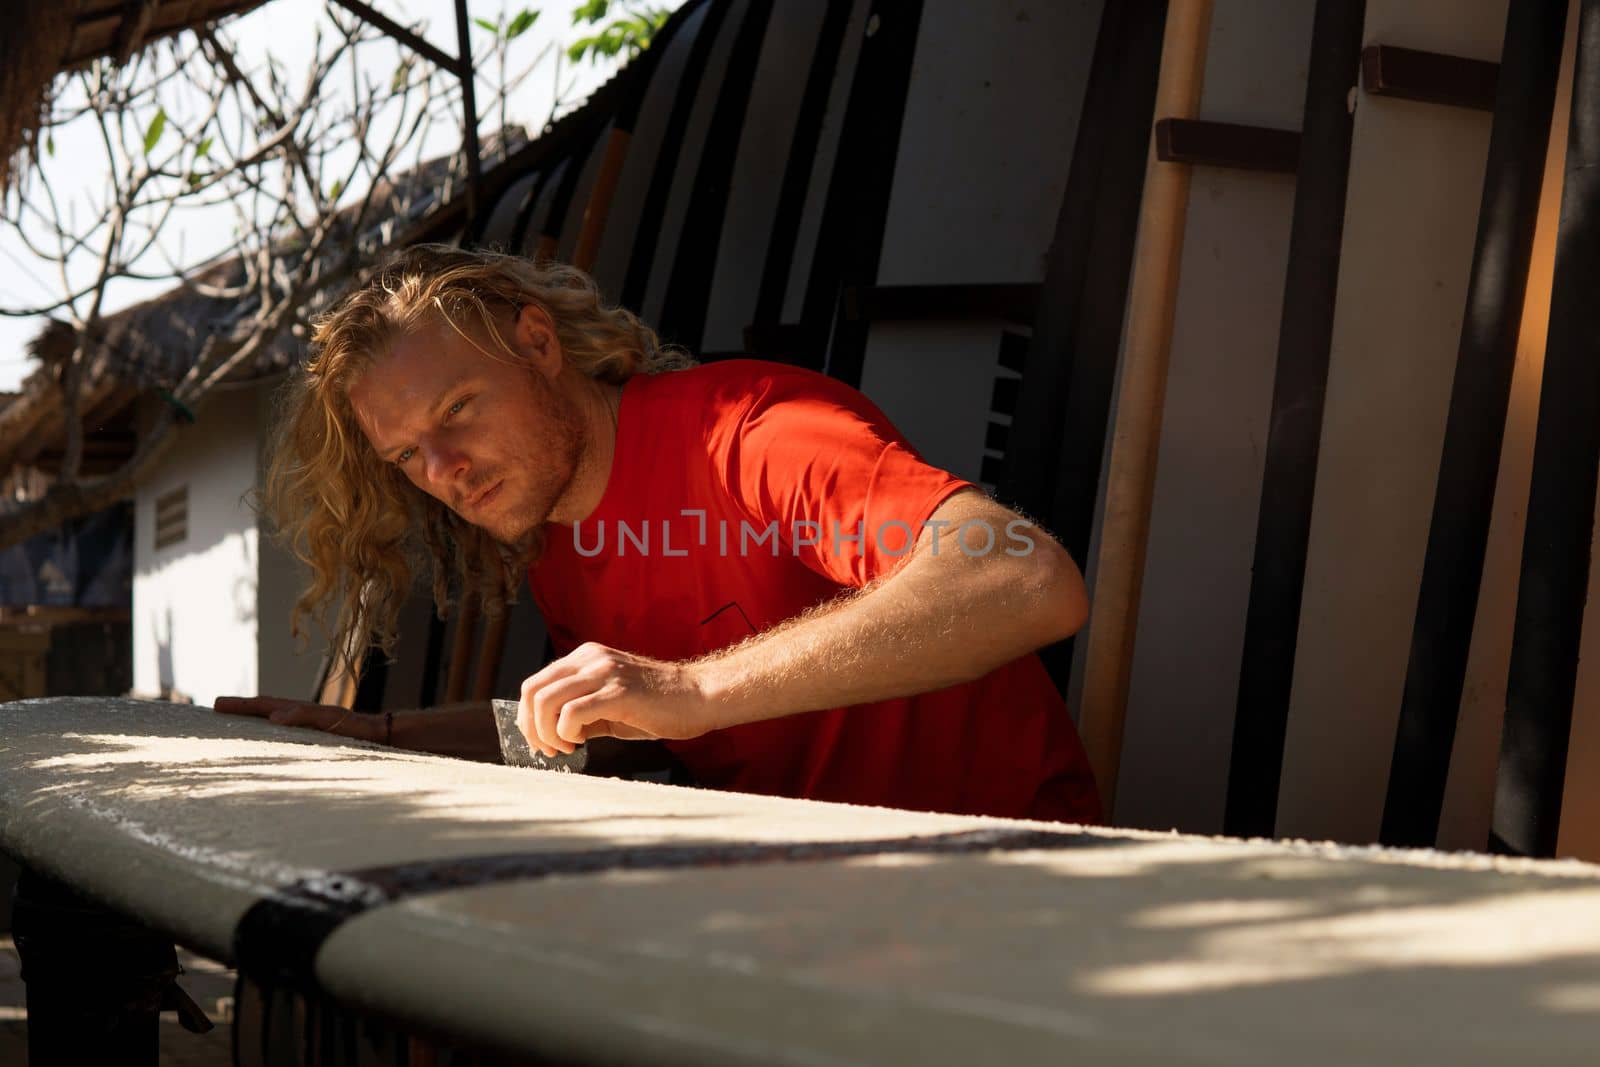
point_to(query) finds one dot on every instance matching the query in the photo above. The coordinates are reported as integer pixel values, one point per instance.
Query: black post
(1469, 466)
(428, 690)
(1566, 457)
(96, 982)
(1305, 336)
(469, 119)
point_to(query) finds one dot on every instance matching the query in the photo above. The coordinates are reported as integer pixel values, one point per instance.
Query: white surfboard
(595, 920)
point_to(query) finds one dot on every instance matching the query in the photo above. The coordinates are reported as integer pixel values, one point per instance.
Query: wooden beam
(467, 610)
(108, 445)
(97, 29)
(1227, 144)
(438, 56)
(136, 19)
(1429, 77)
(490, 653)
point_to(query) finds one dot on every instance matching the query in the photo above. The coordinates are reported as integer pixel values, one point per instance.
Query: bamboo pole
(455, 686)
(490, 653)
(598, 210)
(1136, 432)
(342, 672)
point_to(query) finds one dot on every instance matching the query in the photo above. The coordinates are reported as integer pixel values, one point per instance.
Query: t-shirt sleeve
(816, 463)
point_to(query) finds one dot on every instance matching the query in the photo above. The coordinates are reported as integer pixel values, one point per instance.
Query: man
(743, 560)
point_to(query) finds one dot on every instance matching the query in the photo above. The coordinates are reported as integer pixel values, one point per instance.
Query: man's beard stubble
(568, 441)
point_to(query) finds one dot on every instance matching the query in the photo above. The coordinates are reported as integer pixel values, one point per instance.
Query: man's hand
(595, 691)
(328, 718)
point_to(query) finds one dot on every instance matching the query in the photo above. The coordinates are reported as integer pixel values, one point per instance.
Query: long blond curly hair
(354, 520)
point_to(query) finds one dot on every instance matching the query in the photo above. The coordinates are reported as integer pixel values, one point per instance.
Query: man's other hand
(326, 717)
(596, 691)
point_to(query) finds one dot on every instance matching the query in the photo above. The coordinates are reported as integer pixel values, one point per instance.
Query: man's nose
(446, 467)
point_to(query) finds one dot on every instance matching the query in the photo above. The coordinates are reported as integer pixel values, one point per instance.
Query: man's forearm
(464, 731)
(893, 639)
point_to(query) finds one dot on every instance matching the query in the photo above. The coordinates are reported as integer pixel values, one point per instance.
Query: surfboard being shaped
(598, 920)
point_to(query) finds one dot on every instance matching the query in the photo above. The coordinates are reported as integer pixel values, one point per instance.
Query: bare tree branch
(308, 174)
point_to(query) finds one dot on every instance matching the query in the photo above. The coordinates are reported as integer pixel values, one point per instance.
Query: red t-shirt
(774, 457)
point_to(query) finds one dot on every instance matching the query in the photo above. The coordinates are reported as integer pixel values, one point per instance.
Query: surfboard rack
(1429, 77)
(97, 982)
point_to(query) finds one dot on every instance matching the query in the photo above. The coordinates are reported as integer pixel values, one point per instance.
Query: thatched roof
(40, 40)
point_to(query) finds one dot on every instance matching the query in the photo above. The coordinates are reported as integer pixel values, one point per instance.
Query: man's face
(496, 441)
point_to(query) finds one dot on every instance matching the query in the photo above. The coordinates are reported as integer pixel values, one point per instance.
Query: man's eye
(455, 409)
(400, 460)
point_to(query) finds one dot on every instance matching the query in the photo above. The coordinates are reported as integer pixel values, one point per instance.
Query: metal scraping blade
(516, 751)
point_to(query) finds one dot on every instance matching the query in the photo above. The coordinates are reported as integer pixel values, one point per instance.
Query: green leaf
(203, 149)
(333, 193)
(629, 33)
(492, 27)
(521, 24)
(153, 133)
(590, 11)
(613, 40)
(401, 73)
(49, 144)
(195, 178)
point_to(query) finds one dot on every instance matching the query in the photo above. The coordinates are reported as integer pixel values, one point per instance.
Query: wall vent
(172, 517)
(1002, 407)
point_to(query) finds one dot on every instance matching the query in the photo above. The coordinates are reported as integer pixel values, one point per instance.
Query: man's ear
(536, 338)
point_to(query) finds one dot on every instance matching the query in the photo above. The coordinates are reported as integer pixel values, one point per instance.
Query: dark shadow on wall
(164, 653)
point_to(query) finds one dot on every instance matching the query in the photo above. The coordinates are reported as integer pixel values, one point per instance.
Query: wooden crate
(23, 651)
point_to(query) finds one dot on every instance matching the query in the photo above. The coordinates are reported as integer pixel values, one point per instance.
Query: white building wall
(194, 603)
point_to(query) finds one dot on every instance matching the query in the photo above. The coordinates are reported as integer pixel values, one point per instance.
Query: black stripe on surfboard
(1469, 467)
(1299, 394)
(519, 230)
(687, 91)
(561, 204)
(802, 159)
(855, 214)
(643, 70)
(683, 315)
(278, 938)
(1546, 641)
